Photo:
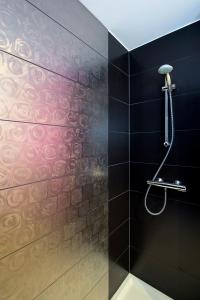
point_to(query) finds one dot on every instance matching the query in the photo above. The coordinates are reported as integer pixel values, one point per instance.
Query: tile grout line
(44, 68)
(157, 99)
(170, 199)
(69, 31)
(156, 66)
(96, 284)
(166, 165)
(119, 195)
(119, 100)
(118, 164)
(119, 226)
(68, 270)
(76, 36)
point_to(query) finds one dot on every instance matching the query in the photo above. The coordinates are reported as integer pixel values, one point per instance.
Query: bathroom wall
(53, 152)
(118, 164)
(165, 249)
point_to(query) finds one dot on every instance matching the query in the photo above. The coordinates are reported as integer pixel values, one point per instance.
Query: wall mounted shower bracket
(164, 88)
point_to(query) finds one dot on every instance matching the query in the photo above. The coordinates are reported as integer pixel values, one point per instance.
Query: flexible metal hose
(162, 163)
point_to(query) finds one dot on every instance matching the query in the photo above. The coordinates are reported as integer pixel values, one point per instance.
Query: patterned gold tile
(53, 159)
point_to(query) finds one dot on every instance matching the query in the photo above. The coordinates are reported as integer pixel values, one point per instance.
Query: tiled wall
(165, 249)
(53, 153)
(118, 164)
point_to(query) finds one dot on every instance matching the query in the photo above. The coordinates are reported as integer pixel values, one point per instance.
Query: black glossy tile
(188, 287)
(147, 85)
(155, 235)
(118, 211)
(186, 111)
(171, 281)
(186, 149)
(178, 44)
(147, 116)
(118, 271)
(189, 240)
(139, 174)
(118, 179)
(118, 115)
(168, 245)
(147, 147)
(117, 54)
(118, 148)
(118, 84)
(161, 277)
(119, 241)
(189, 177)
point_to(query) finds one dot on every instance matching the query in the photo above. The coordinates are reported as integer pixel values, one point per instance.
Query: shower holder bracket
(164, 88)
(168, 185)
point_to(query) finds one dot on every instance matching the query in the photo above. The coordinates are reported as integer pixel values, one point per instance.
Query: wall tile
(176, 45)
(147, 85)
(163, 278)
(147, 116)
(100, 291)
(54, 157)
(118, 147)
(158, 235)
(118, 115)
(118, 55)
(33, 36)
(118, 211)
(172, 282)
(88, 28)
(119, 241)
(147, 147)
(185, 108)
(118, 84)
(165, 248)
(118, 154)
(118, 179)
(189, 243)
(186, 149)
(118, 272)
(140, 173)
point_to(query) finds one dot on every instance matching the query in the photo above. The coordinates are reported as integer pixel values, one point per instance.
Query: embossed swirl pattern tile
(53, 159)
(27, 33)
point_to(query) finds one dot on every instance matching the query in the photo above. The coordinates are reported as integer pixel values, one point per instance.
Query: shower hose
(162, 163)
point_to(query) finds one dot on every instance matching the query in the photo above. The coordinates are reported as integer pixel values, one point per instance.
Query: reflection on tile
(53, 159)
(88, 28)
(78, 281)
(33, 36)
(100, 291)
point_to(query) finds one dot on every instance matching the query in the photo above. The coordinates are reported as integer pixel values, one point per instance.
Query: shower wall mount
(159, 182)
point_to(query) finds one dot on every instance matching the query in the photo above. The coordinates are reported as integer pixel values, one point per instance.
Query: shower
(159, 182)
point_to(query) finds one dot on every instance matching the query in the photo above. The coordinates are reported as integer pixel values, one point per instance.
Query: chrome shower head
(165, 69)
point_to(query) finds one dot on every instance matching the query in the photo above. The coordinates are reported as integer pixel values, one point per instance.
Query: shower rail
(168, 185)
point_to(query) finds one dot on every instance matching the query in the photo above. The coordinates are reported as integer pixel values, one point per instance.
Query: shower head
(165, 69)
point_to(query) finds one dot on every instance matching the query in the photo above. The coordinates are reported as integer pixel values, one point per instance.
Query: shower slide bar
(167, 185)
